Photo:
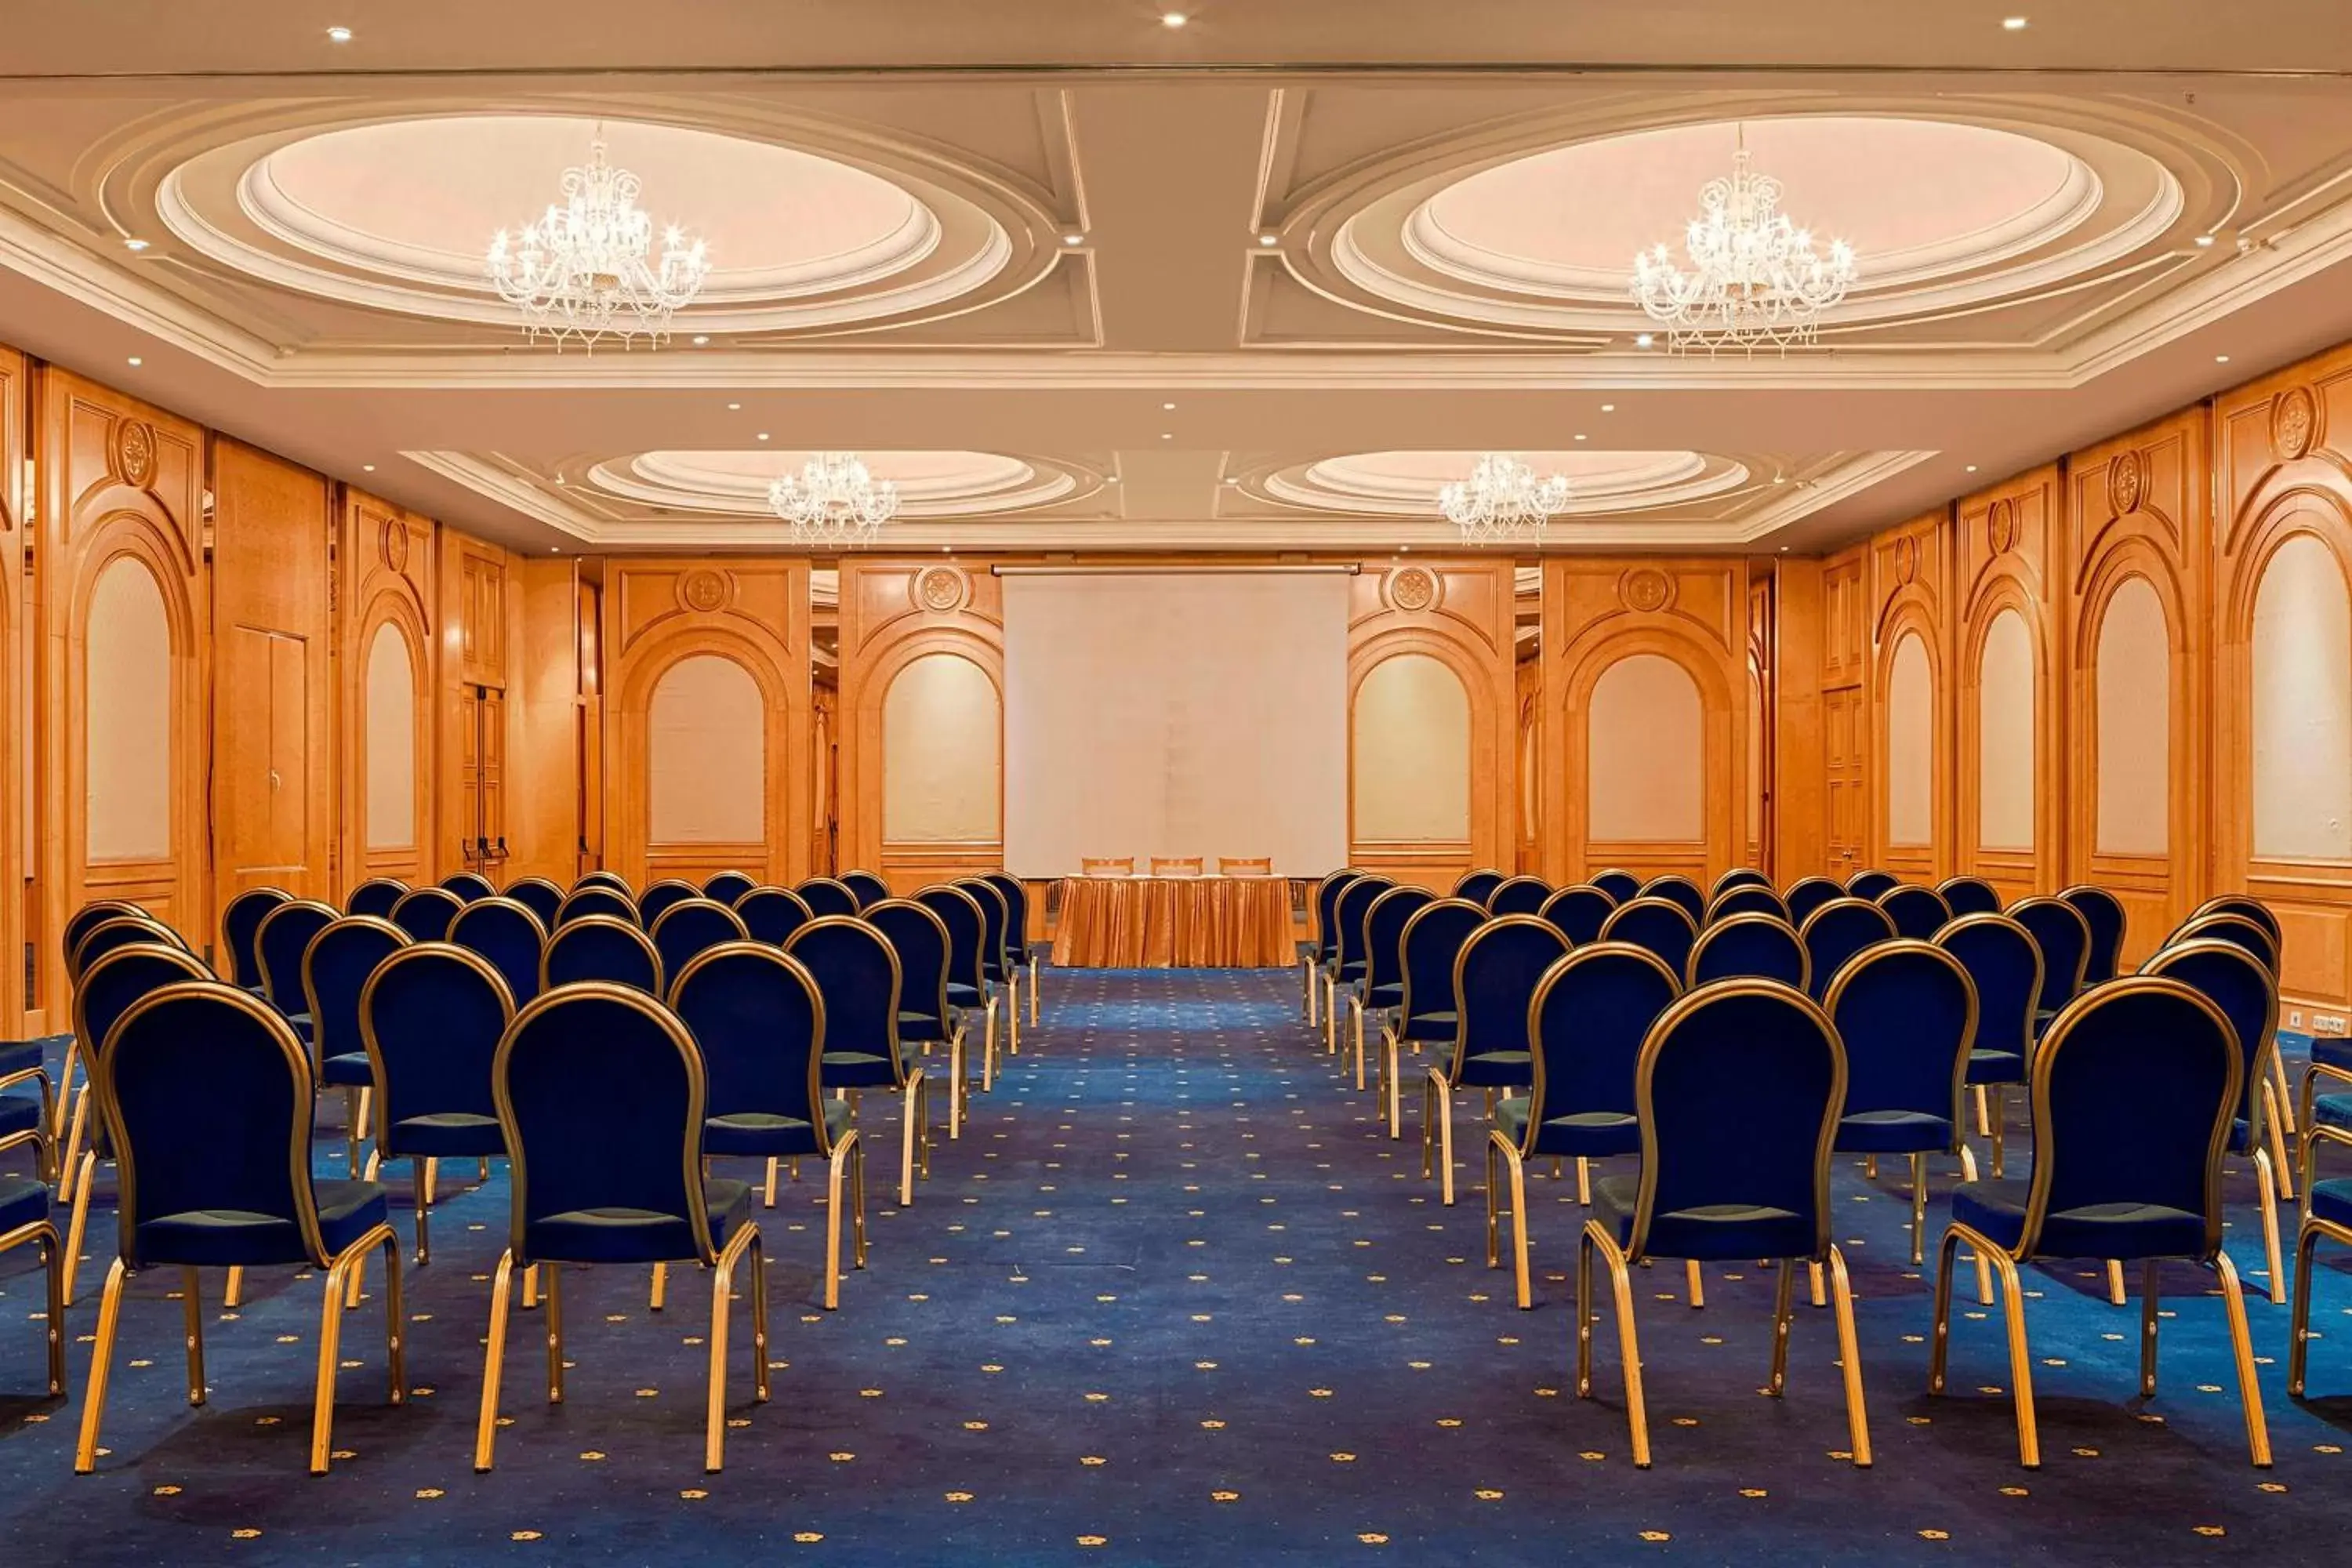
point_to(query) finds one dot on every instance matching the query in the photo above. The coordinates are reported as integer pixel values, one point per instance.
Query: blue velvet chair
(870, 888)
(597, 900)
(25, 1221)
(2133, 1087)
(1969, 896)
(123, 931)
(1016, 901)
(1662, 926)
(999, 968)
(431, 1018)
(760, 1022)
(1587, 1020)
(599, 947)
(541, 897)
(428, 913)
(2326, 1217)
(1869, 884)
(335, 970)
(1807, 894)
(1749, 947)
(1618, 884)
(968, 990)
(1906, 1012)
(726, 887)
(285, 937)
(35, 1119)
(1680, 892)
(603, 1097)
(2245, 904)
(926, 1016)
(825, 895)
(2243, 930)
(1518, 895)
(468, 886)
(1738, 1090)
(1748, 898)
(1835, 932)
(2004, 962)
(1324, 942)
(2104, 914)
(241, 932)
(1346, 968)
(1494, 977)
(1737, 877)
(376, 896)
(1917, 912)
(1382, 985)
(1424, 1016)
(1478, 886)
(506, 932)
(208, 1096)
(689, 926)
(856, 973)
(656, 899)
(611, 879)
(93, 915)
(1578, 912)
(772, 914)
(2063, 936)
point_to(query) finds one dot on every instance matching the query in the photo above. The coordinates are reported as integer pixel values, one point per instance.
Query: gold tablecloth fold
(1174, 922)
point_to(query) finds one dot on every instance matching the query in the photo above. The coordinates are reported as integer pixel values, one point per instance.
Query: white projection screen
(1175, 713)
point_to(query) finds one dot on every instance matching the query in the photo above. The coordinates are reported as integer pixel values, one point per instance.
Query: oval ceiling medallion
(1405, 484)
(930, 484)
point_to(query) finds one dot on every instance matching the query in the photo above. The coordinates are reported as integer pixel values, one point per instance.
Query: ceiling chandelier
(834, 502)
(1755, 278)
(1503, 500)
(587, 270)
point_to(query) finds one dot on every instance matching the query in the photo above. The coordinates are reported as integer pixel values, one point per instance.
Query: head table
(1174, 922)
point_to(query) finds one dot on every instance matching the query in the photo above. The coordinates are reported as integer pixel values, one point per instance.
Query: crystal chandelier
(1503, 500)
(835, 504)
(586, 268)
(1755, 280)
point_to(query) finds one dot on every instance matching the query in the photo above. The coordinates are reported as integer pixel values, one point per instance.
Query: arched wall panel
(943, 754)
(390, 736)
(2132, 670)
(706, 771)
(1911, 755)
(390, 615)
(2007, 681)
(127, 701)
(2012, 792)
(2302, 708)
(1645, 753)
(1409, 773)
(1910, 745)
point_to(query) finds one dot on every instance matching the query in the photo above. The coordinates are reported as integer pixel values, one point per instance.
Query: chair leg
(1583, 1181)
(80, 1219)
(2265, 1191)
(1857, 1409)
(2000, 1130)
(2299, 1330)
(660, 1294)
(1493, 1204)
(1444, 1135)
(1784, 1290)
(1628, 1342)
(531, 1288)
(192, 1313)
(770, 1192)
(1033, 993)
(1583, 1315)
(1394, 1067)
(432, 1179)
(1984, 1113)
(331, 1337)
(907, 1141)
(835, 1170)
(66, 1088)
(551, 1322)
(1813, 1273)
(714, 1430)
(1307, 971)
(857, 1204)
(2277, 1085)
(418, 1175)
(1918, 1209)
(102, 1357)
(75, 1172)
(2114, 1282)
(1695, 1283)
(1330, 1016)
(1984, 1269)
(1013, 1009)
(494, 1356)
(2250, 1388)
(232, 1297)
(759, 1321)
(352, 1129)
(1940, 1339)
(395, 1320)
(955, 1085)
(1518, 1174)
(354, 1277)
(2147, 1299)
(1355, 1020)
(2274, 1128)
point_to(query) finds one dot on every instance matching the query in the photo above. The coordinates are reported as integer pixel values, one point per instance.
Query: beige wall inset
(390, 742)
(1645, 766)
(2302, 706)
(942, 749)
(706, 756)
(2005, 729)
(129, 702)
(1413, 753)
(1910, 745)
(2134, 675)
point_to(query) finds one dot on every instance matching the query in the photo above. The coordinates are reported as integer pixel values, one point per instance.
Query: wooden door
(1846, 755)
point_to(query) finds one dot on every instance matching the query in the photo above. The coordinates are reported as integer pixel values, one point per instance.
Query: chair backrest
(2106, 915)
(866, 887)
(1907, 1012)
(2132, 1091)
(1680, 890)
(996, 919)
(541, 897)
(285, 936)
(431, 1018)
(2064, 938)
(2240, 930)
(1586, 1022)
(635, 1143)
(599, 947)
(426, 913)
(1106, 865)
(115, 980)
(611, 879)
(967, 931)
(1869, 884)
(335, 970)
(2246, 992)
(1836, 932)
(375, 896)
(1662, 925)
(123, 931)
(772, 914)
(1917, 912)
(1737, 1090)
(1176, 865)
(208, 1096)
(1970, 896)
(1478, 886)
(1016, 913)
(469, 886)
(241, 928)
(1748, 898)
(93, 915)
(728, 886)
(856, 973)
(825, 895)
(601, 900)
(758, 1019)
(1355, 900)
(1327, 901)
(2004, 963)
(1518, 895)
(689, 926)
(1384, 923)
(1618, 884)
(1579, 912)
(656, 899)
(1494, 977)
(2245, 904)
(1807, 894)
(1750, 946)
(1737, 877)
(506, 932)
(1244, 865)
(920, 938)
(1431, 939)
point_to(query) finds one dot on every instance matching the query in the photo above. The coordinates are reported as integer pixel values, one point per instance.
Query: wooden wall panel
(2005, 555)
(1845, 712)
(470, 799)
(1907, 589)
(1799, 779)
(544, 719)
(1528, 767)
(17, 730)
(385, 576)
(1755, 764)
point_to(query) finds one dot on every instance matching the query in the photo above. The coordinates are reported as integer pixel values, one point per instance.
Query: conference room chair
(33, 1120)
(426, 913)
(376, 896)
(690, 925)
(825, 895)
(599, 947)
(335, 970)
(2104, 914)
(285, 937)
(1106, 865)
(601, 879)
(2004, 963)
(1579, 912)
(926, 1015)
(1917, 912)
(24, 1220)
(1244, 865)
(998, 967)
(866, 887)
(1737, 877)
(1518, 895)
(1736, 1091)
(967, 925)
(1586, 1023)
(633, 1147)
(1679, 890)
(772, 914)
(469, 886)
(758, 1021)
(2247, 924)
(857, 974)
(1618, 884)
(1324, 943)
(1382, 988)
(1494, 977)
(1016, 928)
(1478, 885)
(21, 1061)
(1176, 865)
(1969, 896)
(1870, 883)
(207, 1094)
(2239, 930)
(119, 930)
(1807, 894)
(600, 901)
(656, 899)
(1835, 932)
(1750, 946)
(540, 896)
(1662, 926)
(2064, 938)
(1424, 1016)
(506, 932)
(2326, 1217)
(1346, 968)
(1747, 898)
(726, 887)
(241, 932)
(2133, 1087)
(431, 1018)
(2245, 904)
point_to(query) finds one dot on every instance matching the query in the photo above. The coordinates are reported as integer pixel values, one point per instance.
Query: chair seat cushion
(2327, 1050)
(639, 1236)
(965, 995)
(865, 1069)
(1894, 1132)
(301, 1022)
(23, 1201)
(18, 1055)
(1427, 1026)
(761, 1133)
(1381, 996)
(2120, 1230)
(1711, 1232)
(1995, 1067)
(220, 1238)
(2332, 1110)
(350, 1071)
(2331, 1202)
(1593, 1134)
(18, 1113)
(1496, 1069)
(919, 1026)
(447, 1135)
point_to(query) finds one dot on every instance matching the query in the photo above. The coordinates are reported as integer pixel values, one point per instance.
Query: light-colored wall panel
(127, 695)
(1646, 756)
(707, 776)
(1411, 739)
(2135, 719)
(943, 752)
(2005, 735)
(1910, 745)
(2302, 706)
(389, 717)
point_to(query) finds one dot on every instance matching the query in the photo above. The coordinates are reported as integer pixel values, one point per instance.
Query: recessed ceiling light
(2221, 359)
(1168, 434)
(555, 549)
(1780, 478)
(1170, 406)
(1404, 549)
(2204, 240)
(762, 435)
(1643, 342)
(134, 245)
(2014, 23)
(1174, 18)
(701, 339)
(1267, 239)
(1579, 435)
(1074, 239)
(1233, 481)
(1608, 408)
(339, 35)
(946, 549)
(367, 468)
(1784, 550)
(1972, 468)
(733, 406)
(136, 361)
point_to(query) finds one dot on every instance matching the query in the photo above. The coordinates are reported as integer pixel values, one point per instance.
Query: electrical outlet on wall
(2294, 1019)
(2328, 1023)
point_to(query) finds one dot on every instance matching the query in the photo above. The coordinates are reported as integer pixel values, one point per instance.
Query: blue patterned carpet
(1172, 1299)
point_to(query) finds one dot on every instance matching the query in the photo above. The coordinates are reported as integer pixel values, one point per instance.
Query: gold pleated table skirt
(1174, 922)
